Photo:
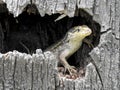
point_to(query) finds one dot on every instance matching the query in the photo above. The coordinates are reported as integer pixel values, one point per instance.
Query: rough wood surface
(50, 6)
(20, 71)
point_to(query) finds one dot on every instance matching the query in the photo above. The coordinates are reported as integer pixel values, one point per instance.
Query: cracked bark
(39, 71)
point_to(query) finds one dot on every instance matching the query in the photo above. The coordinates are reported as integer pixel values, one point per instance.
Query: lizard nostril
(90, 30)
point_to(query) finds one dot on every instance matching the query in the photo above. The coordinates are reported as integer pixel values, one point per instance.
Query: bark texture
(20, 71)
(50, 6)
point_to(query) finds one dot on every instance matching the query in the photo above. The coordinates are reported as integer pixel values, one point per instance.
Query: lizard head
(79, 32)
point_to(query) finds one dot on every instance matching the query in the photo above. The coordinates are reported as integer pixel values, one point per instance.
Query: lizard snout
(88, 31)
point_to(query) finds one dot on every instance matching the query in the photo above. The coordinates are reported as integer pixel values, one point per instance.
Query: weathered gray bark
(20, 71)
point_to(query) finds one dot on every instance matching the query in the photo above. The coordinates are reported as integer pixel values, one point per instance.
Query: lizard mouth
(29, 32)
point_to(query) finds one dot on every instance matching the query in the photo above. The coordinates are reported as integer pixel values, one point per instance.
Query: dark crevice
(32, 76)
(15, 62)
(3, 80)
(109, 29)
(35, 32)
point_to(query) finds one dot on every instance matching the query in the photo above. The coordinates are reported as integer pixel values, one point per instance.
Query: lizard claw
(71, 69)
(90, 45)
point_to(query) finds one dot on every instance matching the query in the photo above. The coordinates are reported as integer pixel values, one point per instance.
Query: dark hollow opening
(29, 31)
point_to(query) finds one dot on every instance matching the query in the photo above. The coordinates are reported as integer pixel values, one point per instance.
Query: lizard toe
(71, 69)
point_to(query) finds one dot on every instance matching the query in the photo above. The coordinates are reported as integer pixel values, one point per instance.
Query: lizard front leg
(71, 69)
(87, 41)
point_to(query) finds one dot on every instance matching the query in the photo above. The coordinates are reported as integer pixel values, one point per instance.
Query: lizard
(70, 43)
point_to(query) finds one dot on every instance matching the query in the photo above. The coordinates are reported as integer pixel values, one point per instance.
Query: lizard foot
(71, 69)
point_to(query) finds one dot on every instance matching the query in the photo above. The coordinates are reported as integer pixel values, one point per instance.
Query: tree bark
(20, 71)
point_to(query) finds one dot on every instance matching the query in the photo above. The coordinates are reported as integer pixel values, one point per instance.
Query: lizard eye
(78, 30)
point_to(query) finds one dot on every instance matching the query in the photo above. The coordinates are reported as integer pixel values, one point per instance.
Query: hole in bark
(29, 31)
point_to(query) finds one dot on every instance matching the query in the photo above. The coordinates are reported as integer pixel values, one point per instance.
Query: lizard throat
(74, 46)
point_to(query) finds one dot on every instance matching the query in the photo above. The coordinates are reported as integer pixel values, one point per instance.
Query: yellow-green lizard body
(70, 44)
